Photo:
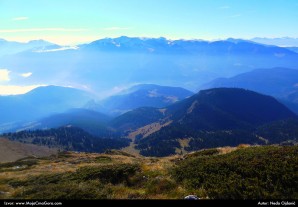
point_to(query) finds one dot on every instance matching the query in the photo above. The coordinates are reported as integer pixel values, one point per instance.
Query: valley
(149, 118)
(211, 118)
(139, 100)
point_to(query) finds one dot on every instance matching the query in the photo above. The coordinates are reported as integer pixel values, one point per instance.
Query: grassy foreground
(229, 173)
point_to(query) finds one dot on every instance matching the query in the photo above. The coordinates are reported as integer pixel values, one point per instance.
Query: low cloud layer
(4, 75)
(14, 89)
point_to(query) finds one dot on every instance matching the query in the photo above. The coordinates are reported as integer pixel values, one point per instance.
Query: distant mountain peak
(143, 95)
(211, 118)
(40, 41)
(279, 41)
(278, 82)
(236, 41)
(53, 89)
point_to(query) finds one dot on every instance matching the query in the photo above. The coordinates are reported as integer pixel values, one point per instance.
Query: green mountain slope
(213, 118)
(67, 138)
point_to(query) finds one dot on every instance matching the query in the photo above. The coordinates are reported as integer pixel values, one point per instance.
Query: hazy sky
(77, 21)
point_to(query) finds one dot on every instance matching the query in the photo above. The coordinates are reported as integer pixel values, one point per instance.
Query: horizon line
(144, 37)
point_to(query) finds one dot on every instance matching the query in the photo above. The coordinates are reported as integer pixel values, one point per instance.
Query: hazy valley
(150, 118)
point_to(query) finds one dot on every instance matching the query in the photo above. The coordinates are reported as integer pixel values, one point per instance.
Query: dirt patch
(11, 151)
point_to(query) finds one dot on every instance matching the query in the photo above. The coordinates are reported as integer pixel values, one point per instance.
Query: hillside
(11, 151)
(283, 41)
(228, 108)
(294, 49)
(10, 47)
(211, 118)
(40, 102)
(92, 122)
(69, 139)
(223, 173)
(243, 174)
(278, 82)
(137, 118)
(145, 95)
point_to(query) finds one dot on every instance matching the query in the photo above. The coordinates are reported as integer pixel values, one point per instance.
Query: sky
(69, 22)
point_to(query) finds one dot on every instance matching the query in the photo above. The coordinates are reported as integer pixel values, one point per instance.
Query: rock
(191, 197)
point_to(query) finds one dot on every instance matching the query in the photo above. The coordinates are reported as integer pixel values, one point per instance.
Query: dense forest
(166, 141)
(68, 138)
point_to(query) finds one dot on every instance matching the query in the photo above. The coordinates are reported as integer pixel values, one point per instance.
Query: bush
(107, 174)
(85, 183)
(103, 159)
(66, 190)
(41, 180)
(251, 173)
(22, 164)
(160, 186)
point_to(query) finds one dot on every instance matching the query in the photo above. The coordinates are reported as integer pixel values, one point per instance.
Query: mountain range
(237, 102)
(211, 118)
(294, 49)
(143, 95)
(106, 63)
(92, 122)
(10, 47)
(283, 42)
(54, 106)
(38, 103)
(281, 83)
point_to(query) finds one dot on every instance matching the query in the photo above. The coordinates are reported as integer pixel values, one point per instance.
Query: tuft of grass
(103, 159)
(122, 191)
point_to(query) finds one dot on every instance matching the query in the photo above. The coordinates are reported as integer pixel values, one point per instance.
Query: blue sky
(72, 22)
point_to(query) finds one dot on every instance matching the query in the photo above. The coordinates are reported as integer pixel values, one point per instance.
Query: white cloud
(20, 18)
(26, 75)
(14, 90)
(116, 28)
(42, 30)
(4, 75)
(58, 49)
